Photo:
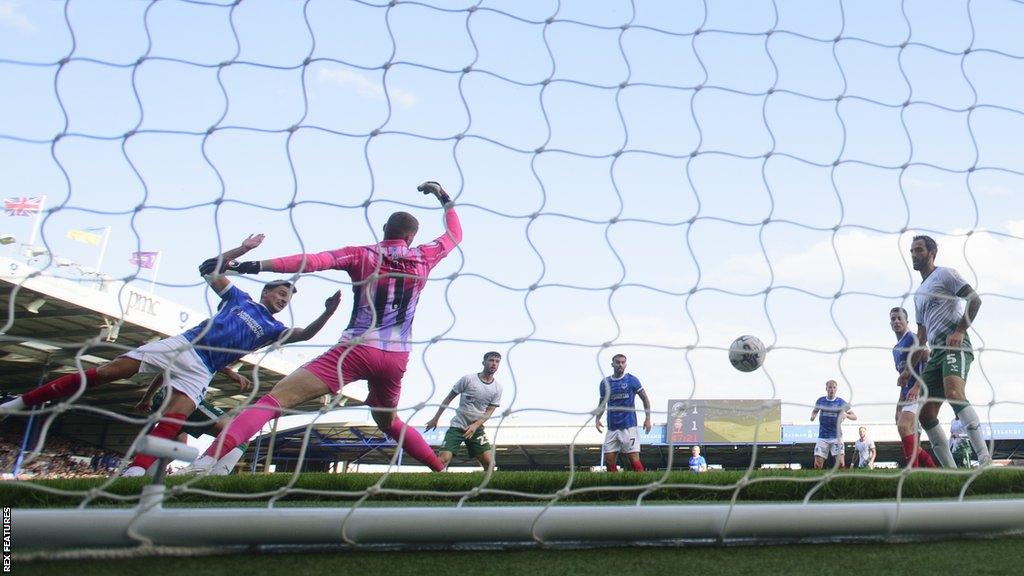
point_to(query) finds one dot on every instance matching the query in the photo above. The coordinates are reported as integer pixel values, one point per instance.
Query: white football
(746, 353)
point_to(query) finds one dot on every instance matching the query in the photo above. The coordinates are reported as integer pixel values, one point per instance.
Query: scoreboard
(724, 422)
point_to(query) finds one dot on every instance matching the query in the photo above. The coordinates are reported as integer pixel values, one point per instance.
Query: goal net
(652, 179)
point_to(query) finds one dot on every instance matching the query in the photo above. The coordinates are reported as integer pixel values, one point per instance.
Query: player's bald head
(401, 225)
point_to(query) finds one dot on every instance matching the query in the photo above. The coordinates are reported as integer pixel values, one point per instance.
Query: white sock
(940, 445)
(16, 404)
(973, 426)
(230, 460)
(205, 461)
(133, 472)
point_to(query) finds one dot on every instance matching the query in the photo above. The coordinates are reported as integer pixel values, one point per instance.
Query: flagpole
(103, 249)
(156, 269)
(37, 222)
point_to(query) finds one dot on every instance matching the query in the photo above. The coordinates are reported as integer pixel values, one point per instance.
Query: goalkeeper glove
(247, 267)
(431, 187)
(209, 267)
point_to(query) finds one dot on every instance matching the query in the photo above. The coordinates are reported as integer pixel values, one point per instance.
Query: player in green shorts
(944, 363)
(477, 445)
(481, 395)
(205, 419)
(942, 322)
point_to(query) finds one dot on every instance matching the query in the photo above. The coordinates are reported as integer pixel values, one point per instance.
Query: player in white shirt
(480, 396)
(866, 451)
(942, 322)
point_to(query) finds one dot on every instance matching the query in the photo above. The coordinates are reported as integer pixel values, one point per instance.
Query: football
(746, 353)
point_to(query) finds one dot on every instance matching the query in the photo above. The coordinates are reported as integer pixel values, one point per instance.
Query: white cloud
(1015, 227)
(10, 16)
(870, 262)
(368, 88)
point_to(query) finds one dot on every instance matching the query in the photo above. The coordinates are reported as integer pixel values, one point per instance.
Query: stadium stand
(61, 457)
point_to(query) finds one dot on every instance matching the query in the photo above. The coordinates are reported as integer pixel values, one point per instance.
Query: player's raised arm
(213, 269)
(303, 334)
(452, 236)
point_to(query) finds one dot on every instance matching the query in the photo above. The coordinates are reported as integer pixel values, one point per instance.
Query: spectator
(59, 458)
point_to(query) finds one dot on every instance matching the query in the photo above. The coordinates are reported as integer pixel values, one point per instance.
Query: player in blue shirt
(618, 394)
(697, 462)
(908, 406)
(189, 360)
(833, 410)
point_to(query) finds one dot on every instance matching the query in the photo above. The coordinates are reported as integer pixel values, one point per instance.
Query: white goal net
(644, 178)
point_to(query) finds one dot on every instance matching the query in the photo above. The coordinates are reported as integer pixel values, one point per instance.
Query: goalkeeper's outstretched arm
(348, 257)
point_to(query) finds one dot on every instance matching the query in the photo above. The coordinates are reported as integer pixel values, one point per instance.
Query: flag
(144, 259)
(22, 205)
(92, 236)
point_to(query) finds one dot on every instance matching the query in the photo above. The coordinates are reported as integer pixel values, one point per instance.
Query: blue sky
(612, 233)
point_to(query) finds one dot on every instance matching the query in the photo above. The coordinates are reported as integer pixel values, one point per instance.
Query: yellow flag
(86, 236)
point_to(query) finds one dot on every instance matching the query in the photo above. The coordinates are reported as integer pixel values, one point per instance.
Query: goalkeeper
(387, 279)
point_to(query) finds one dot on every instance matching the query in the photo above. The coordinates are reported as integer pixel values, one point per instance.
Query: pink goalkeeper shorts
(382, 371)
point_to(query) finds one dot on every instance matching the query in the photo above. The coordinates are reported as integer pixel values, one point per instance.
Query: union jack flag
(22, 206)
